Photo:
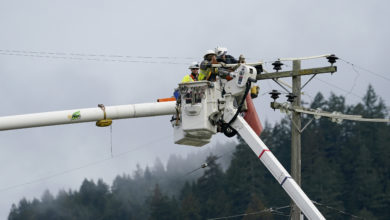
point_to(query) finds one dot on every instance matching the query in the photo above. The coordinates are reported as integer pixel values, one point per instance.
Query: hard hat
(208, 52)
(194, 65)
(220, 51)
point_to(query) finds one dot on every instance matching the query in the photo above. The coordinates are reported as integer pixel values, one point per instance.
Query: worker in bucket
(193, 76)
(207, 71)
(222, 56)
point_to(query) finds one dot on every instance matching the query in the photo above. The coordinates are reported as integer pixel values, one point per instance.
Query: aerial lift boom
(203, 109)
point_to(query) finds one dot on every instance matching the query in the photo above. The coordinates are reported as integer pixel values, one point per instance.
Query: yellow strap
(104, 122)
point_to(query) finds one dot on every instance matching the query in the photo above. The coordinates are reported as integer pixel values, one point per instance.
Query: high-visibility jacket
(205, 72)
(188, 78)
(202, 75)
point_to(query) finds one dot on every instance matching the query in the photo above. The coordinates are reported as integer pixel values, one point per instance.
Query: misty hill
(345, 169)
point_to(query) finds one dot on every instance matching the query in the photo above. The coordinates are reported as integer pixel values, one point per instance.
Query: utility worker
(194, 67)
(206, 70)
(222, 56)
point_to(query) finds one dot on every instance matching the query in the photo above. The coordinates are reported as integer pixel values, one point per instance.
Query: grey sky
(357, 31)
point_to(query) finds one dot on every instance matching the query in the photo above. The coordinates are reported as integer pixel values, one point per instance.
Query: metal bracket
(304, 127)
(308, 80)
(276, 81)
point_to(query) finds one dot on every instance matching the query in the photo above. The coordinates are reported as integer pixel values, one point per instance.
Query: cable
(91, 59)
(90, 55)
(354, 81)
(111, 140)
(336, 117)
(337, 210)
(304, 58)
(330, 84)
(367, 70)
(205, 164)
(270, 210)
(356, 95)
(148, 144)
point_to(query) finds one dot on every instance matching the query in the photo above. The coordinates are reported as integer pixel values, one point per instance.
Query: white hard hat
(220, 51)
(194, 65)
(208, 52)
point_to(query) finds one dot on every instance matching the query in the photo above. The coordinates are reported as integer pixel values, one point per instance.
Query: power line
(91, 59)
(269, 210)
(337, 87)
(205, 164)
(148, 144)
(365, 69)
(337, 210)
(354, 81)
(92, 55)
(318, 113)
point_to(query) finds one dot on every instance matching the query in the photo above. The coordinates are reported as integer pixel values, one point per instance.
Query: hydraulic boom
(203, 109)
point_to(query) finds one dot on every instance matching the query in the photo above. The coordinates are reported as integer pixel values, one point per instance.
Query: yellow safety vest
(205, 74)
(187, 78)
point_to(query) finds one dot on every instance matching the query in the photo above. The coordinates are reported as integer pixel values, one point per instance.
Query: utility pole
(296, 135)
(296, 74)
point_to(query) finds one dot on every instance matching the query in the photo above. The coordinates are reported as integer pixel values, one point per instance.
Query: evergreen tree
(256, 210)
(162, 207)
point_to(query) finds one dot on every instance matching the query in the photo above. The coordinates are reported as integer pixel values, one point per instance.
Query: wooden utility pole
(296, 135)
(296, 74)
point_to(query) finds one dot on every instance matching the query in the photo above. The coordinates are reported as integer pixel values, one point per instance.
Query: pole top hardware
(274, 94)
(332, 59)
(277, 65)
(291, 97)
(103, 122)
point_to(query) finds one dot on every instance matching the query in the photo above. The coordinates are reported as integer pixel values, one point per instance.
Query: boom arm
(86, 115)
(277, 170)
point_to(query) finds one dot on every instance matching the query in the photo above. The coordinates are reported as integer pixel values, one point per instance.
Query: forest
(345, 170)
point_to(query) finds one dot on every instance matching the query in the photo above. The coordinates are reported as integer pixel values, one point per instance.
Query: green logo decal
(76, 116)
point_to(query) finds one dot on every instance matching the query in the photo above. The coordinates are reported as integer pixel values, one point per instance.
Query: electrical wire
(205, 164)
(91, 55)
(365, 69)
(337, 210)
(148, 144)
(330, 84)
(111, 140)
(269, 210)
(93, 59)
(354, 81)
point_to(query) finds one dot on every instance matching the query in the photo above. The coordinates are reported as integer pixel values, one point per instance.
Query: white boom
(87, 115)
(277, 170)
(203, 109)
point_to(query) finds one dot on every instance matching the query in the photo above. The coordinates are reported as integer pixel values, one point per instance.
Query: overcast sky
(180, 31)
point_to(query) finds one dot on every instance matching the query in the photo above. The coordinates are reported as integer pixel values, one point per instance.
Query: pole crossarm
(302, 72)
(319, 113)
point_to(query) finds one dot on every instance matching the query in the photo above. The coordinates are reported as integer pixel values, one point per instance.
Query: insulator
(274, 94)
(291, 97)
(332, 59)
(277, 65)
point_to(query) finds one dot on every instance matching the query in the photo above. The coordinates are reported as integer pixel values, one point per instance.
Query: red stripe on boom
(262, 152)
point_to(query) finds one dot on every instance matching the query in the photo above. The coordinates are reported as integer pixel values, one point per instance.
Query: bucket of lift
(197, 102)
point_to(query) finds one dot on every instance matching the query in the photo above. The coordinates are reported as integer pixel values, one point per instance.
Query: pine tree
(162, 207)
